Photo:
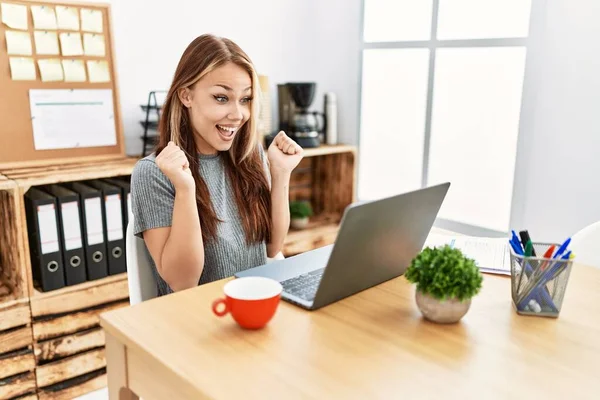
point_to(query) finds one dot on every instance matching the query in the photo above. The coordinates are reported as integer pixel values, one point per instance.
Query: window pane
(483, 19)
(397, 20)
(475, 120)
(394, 98)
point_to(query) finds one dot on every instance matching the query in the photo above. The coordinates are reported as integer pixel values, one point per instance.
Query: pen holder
(538, 284)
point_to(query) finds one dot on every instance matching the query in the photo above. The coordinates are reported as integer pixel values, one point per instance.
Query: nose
(235, 113)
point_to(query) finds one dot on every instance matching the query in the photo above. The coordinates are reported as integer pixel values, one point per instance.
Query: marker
(547, 254)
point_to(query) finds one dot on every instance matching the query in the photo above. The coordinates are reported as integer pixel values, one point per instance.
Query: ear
(185, 95)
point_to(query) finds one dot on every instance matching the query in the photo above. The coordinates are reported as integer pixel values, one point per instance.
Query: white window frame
(536, 25)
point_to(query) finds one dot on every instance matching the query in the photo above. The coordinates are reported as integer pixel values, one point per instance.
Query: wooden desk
(372, 345)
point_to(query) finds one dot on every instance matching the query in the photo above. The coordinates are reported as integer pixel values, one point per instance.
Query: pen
(516, 241)
(529, 249)
(560, 266)
(529, 270)
(526, 238)
(547, 254)
(562, 248)
(516, 248)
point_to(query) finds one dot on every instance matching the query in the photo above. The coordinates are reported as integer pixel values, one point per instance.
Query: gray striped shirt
(153, 197)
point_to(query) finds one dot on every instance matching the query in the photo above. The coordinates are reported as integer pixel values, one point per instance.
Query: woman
(209, 203)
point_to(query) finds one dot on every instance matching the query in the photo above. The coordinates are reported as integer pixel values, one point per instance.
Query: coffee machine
(305, 127)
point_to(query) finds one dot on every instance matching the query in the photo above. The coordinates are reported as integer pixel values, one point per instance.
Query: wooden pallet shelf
(325, 150)
(14, 313)
(6, 293)
(70, 367)
(75, 387)
(71, 323)
(326, 177)
(24, 178)
(79, 297)
(20, 386)
(51, 340)
(17, 360)
(54, 349)
(59, 329)
(14, 275)
(16, 363)
(33, 176)
(68, 343)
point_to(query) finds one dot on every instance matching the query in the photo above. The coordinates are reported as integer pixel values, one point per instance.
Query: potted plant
(300, 211)
(446, 281)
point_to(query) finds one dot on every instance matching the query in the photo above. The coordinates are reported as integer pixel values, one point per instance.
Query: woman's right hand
(175, 165)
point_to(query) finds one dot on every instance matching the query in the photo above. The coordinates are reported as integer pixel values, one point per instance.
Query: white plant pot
(447, 312)
(299, 223)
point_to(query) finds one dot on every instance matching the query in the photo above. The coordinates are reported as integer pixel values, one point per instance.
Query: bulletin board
(17, 143)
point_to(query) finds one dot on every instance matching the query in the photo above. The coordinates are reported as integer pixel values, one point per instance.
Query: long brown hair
(244, 165)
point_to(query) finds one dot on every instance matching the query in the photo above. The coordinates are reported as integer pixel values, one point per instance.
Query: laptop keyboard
(305, 285)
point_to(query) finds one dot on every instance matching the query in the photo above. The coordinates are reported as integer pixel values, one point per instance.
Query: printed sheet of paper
(114, 217)
(490, 254)
(43, 17)
(72, 118)
(70, 43)
(98, 71)
(71, 225)
(74, 70)
(46, 43)
(91, 20)
(14, 16)
(93, 44)
(18, 43)
(48, 229)
(93, 220)
(67, 18)
(22, 69)
(51, 70)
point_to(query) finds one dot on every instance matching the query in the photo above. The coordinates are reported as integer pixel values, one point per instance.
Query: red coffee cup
(251, 301)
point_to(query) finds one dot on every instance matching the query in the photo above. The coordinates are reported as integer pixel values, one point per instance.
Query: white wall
(558, 190)
(291, 40)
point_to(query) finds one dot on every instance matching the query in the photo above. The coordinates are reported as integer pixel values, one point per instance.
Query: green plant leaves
(300, 209)
(445, 273)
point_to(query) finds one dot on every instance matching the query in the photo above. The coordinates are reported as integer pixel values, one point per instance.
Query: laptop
(376, 242)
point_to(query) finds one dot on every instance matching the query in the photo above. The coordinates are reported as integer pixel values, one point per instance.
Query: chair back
(585, 244)
(141, 281)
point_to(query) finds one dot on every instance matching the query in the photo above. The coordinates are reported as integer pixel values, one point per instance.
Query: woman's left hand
(284, 154)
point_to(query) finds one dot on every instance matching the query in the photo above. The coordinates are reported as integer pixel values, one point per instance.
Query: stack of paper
(490, 254)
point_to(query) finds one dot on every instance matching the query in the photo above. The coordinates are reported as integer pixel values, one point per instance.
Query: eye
(220, 98)
(246, 100)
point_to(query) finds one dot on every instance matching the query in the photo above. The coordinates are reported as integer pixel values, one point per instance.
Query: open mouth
(227, 132)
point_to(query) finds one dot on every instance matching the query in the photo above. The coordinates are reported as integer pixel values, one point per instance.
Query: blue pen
(517, 242)
(559, 266)
(516, 248)
(562, 248)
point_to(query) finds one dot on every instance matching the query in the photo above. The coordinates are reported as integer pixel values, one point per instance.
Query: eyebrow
(230, 89)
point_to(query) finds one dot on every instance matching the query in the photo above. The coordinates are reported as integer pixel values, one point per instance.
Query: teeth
(227, 128)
